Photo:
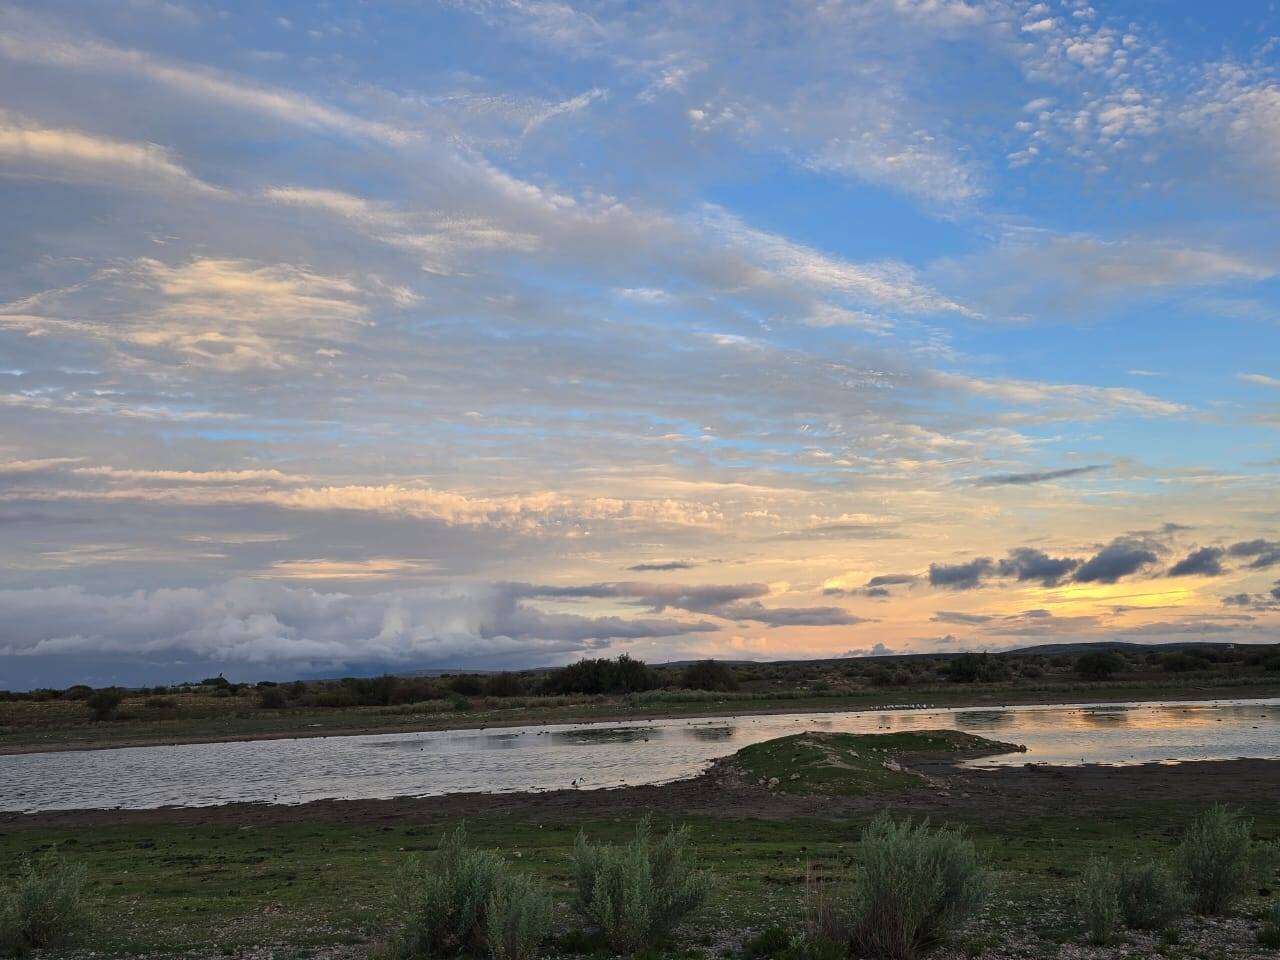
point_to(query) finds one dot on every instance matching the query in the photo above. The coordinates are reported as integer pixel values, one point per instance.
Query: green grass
(850, 764)
(163, 888)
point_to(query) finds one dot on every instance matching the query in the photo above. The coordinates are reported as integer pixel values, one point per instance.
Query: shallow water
(599, 755)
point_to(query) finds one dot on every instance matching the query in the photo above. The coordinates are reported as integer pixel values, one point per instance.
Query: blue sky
(376, 336)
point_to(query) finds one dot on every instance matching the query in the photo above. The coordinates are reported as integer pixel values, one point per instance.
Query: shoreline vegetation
(1155, 861)
(622, 690)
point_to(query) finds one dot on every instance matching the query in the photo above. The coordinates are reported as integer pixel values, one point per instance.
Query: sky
(350, 337)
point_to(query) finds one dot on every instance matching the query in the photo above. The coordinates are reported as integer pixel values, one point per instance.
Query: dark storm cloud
(1263, 553)
(1023, 479)
(876, 587)
(960, 576)
(1121, 557)
(1026, 563)
(1204, 562)
(259, 626)
(662, 566)
(891, 579)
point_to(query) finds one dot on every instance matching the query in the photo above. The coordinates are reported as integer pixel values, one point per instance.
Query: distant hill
(1057, 649)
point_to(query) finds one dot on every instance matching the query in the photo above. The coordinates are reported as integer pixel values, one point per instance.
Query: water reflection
(710, 733)
(601, 755)
(983, 719)
(1105, 716)
(588, 736)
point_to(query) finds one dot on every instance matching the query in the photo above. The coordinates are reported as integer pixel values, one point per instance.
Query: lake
(560, 756)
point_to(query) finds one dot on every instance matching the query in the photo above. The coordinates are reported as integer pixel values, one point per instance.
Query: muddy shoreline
(722, 792)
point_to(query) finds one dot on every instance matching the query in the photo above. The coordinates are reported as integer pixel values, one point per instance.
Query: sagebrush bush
(913, 886)
(639, 892)
(1150, 895)
(1218, 859)
(1269, 935)
(44, 906)
(443, 899)
(1097, 898)
(517, 919)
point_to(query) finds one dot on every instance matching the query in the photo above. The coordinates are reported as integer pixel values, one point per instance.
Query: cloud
(1037, 275)
(1026, 563)
(226, 314)
(259, 624)
(1063, 400)
(1120, 558)
(727, 601)
(1023, 479)
(662, 565)
(951, 616)
(29, 149)
(1262, 553)
(27, 44)
(875, 650)
(891, 579)
(843, 530)
(960, 576)
(1203, 562)
(1260, 378)
(881, 284)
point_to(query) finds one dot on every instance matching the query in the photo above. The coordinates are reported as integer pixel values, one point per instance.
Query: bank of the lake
(37, 729)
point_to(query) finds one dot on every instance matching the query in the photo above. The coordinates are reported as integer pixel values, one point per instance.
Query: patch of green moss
(853, 764)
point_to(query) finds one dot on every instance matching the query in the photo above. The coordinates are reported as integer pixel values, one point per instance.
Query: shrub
(44, 906)
(1218, 859)
(1182, 662)
(272, 698)
(1150, 895)
(913, 885)
(638, 893)
(443, 899)
(977, 667)
(1269, 935)
(467, 685)
(1098, 665)
(504, 685)
(709, 675)
(102, 703)
(517, 919)
(624, 675)
(161, 703)
(1097, 897)
(769, 942)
